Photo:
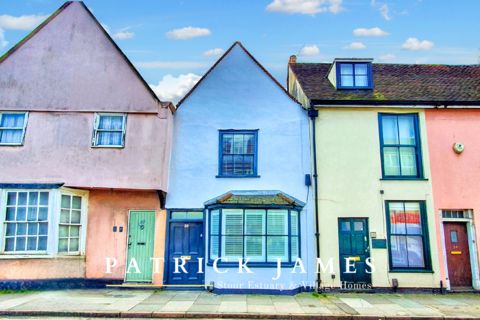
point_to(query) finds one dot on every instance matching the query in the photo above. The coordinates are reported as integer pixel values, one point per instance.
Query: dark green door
(141, 233)
(354, 246)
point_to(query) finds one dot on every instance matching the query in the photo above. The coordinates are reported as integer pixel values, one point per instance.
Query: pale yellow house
(374, 200)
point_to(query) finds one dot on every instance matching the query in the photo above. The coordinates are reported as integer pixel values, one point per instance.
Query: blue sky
(406, 31)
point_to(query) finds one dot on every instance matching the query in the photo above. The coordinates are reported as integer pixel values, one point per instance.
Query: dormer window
(354, 75)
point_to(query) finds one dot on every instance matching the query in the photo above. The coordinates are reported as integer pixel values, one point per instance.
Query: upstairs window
(12, 128)
(109, 130)
(354, 76)
(238, 153)
(400, 146)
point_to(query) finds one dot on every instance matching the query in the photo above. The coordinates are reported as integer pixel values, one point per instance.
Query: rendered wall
(57, 149)
(71, 65)
(111, 208)
(349, 177)
(43, 268)
(455, 177)
(237, 94)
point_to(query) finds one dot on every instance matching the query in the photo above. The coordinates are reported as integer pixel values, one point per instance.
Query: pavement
(108, 303)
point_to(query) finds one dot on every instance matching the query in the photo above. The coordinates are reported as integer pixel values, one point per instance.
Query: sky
(173, 43)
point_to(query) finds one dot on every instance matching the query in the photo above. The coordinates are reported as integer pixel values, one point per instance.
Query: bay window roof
(265, 197)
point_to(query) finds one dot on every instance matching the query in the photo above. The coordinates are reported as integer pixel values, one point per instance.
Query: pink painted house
(453, 141)
(84, 155)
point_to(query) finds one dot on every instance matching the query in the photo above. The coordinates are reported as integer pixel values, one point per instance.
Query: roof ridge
(220, 59)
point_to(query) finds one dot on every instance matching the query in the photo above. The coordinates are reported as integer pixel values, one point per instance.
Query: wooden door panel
(458, 254)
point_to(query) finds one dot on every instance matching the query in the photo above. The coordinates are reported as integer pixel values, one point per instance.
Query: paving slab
(288, 307)
(206, 308)
(357, 303)
(261, 309)
(233, 306)
(176, 306)
(186, 296)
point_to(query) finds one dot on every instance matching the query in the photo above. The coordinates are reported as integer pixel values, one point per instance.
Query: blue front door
(187, 241)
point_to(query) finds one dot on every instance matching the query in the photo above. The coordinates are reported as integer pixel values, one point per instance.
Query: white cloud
(374, 32)
(173, 89)
(404, 12)
(372, 3)
(309, 51)
(105, 27)
(387, 57)
(21, 23)
(187, 33)
(413, 44)
(355, 46)
(90, 9)
(305, 6)
(169, 65)
(3, 43)
(213, 52)
(384, 12)
(123, 35)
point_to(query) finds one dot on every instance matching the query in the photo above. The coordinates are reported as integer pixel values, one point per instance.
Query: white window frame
(96, 123)
(23, 131)
(53, 224)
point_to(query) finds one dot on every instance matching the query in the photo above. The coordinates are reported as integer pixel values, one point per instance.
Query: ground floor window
(408, 235)
(42, 221)
(261, 235)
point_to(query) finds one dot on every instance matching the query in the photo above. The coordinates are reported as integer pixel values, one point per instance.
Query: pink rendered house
(84, 155)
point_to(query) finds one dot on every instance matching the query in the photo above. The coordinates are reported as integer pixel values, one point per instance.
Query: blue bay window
(400, 146)
(355, 75)
(260, 234)
(238, 153)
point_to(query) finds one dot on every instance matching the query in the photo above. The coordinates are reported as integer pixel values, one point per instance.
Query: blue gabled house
(239, 191)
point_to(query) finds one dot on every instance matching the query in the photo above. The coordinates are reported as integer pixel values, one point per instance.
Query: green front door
(141, 233)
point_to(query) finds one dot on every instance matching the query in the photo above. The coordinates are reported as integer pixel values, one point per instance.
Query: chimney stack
(293, 59)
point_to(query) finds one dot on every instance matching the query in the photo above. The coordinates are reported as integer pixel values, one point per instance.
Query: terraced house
(393, 188)
(238, 192)
(84, 150)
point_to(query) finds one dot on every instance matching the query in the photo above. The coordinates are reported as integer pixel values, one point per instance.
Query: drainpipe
(313, 114)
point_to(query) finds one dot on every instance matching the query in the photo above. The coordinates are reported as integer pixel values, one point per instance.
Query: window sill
(225, 176)
(403, 179)
(7, 256)
(251, 265)
(11, 144)
(109, 147)
(410, 271)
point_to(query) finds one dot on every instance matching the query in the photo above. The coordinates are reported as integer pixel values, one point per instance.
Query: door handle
(140, 243)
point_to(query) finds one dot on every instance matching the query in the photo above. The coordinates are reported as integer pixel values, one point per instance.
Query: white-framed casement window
(109, 130)
(42, 222)
(12, 128)
(261, 235)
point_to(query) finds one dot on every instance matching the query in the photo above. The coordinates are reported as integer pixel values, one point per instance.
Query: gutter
(313, 114)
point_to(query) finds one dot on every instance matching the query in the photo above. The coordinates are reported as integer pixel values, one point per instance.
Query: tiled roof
(396, 83)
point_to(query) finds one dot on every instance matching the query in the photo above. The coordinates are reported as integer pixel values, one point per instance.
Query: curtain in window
(361, 75)
(12, 135)
(110, 138)
(406, 235)
(346, 75)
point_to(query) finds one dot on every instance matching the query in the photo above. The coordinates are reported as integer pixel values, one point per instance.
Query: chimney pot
(293, 59)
